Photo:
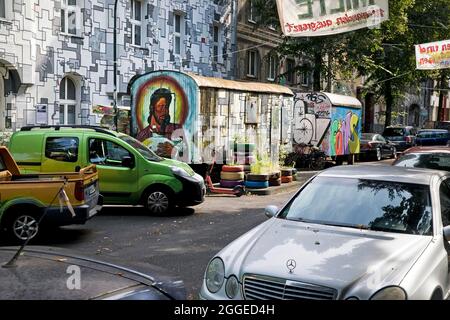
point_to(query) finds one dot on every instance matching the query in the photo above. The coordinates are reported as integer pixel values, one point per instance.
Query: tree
(385, 56)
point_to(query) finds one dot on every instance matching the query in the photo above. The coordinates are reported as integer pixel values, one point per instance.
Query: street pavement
(181, 243)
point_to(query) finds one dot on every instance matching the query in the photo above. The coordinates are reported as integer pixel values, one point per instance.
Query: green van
(129, 172)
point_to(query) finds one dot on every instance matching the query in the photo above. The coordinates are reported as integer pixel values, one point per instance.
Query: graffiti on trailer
(345, 132)
(312, 112)
(319, 104)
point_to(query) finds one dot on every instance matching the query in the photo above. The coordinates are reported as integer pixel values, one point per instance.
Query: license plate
(91, 190)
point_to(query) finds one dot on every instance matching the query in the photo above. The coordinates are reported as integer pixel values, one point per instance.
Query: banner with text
(433, 55)
(309, 18)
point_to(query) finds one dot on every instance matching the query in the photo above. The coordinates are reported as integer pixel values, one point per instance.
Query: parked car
(358, 232)
(402, 137)
(375, 146)
(432, 137)
(30, 202)
(46, 273)
(130, 173)
(437, 158)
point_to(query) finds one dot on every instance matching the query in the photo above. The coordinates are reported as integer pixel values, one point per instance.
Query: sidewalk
(302, 177)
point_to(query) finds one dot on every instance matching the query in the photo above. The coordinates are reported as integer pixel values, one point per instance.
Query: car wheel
(378, 155)
(394, 153)
(23, 226)
(158, 201)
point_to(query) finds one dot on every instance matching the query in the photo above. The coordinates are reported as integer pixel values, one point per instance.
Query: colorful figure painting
(345, 132)
(164, 109)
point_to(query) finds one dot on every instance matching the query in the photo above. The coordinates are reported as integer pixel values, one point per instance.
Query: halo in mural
(162, 102)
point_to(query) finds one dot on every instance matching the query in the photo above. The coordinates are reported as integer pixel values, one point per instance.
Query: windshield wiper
(348, 225)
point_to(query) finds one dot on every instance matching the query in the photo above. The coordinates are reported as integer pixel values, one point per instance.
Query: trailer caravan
(330, 122)
(186, 116)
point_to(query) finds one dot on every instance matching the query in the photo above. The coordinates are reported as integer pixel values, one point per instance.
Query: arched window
(67, 101)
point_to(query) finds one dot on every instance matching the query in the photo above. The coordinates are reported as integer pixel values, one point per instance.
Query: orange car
(28, 201)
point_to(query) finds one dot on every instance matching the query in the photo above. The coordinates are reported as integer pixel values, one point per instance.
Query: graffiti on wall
(164, 112)
(312, 112)
(345, 132)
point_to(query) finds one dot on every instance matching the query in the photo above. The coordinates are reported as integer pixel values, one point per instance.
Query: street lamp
(115, 65)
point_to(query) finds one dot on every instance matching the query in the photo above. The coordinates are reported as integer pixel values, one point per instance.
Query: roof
(432, 130)
(41, 273)
(345, 101)
(429, 149)
(67, 128)
(384, 173)
(208, 82)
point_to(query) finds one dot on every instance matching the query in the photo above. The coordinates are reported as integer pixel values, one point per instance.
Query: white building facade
(56, 56)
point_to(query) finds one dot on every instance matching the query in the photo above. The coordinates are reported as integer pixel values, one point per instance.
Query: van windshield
(145, 151)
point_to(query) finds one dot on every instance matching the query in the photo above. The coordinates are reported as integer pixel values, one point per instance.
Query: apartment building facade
(57, 56)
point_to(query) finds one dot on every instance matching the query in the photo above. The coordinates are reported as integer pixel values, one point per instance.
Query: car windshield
(146, 152)
(393, 132)
(436, 161)
(363, 204)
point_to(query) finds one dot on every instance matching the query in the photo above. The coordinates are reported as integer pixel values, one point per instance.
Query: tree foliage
(385, 56)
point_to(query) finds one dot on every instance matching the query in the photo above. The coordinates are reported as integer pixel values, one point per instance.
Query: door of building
(2, 104)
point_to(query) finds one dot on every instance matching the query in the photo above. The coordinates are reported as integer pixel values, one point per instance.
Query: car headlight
(215, 275)
(180, 172)
(390, 293)
(232, 287)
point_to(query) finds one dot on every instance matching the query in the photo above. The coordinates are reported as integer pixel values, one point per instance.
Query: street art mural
(312, 112)
(164, 112)
(345, 132)
(333, 128)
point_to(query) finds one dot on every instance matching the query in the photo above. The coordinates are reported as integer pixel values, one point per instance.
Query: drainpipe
(115, 64)
(234, 45)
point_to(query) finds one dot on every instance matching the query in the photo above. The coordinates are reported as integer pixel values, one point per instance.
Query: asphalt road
(181, 243)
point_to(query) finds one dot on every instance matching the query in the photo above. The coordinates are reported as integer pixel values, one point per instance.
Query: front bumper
(193, 192)
(57, 217)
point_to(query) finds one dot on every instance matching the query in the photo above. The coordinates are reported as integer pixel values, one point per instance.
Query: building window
(136, 22)
(3, 9)
(252, 63)
(8, 121)
(216, 43)
(272, 68)
(290, 72)
(68, 102)
(251, 12)
(304, 78)
(178, 34)
(70, 17)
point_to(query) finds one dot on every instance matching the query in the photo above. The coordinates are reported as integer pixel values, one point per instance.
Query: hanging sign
(433, 55)
(309, 18)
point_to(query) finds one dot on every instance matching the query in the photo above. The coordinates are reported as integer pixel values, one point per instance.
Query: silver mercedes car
(350, 233)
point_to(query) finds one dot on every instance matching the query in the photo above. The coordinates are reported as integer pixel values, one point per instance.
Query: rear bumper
(402, 146)
(57, 217)
(193, 192)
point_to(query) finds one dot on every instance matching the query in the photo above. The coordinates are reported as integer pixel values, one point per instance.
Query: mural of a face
(161, 111)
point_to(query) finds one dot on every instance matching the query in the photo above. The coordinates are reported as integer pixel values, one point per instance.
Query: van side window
(62, 149)
(105, 152)
(445, 202)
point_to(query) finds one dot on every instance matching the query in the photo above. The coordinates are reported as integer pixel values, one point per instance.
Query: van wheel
(22, 226)
(158, 201)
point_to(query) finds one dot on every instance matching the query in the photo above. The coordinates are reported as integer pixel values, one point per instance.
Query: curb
(302, 177)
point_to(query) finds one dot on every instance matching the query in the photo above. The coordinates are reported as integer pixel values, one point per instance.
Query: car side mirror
(447, 233)
(271, 211)
(127, 162)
